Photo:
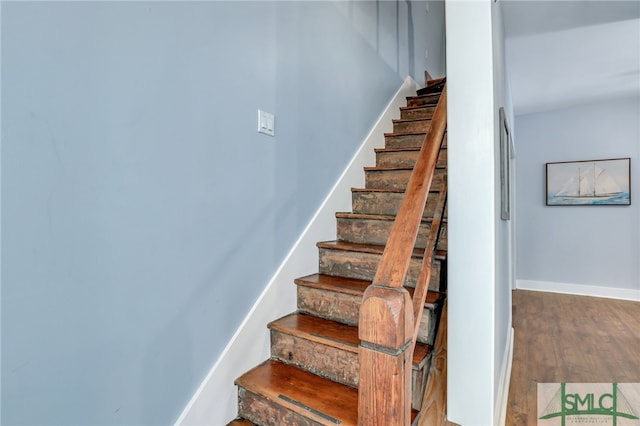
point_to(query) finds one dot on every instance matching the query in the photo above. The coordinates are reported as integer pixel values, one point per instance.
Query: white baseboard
(579, 289)
(215, 401)
(500, 414)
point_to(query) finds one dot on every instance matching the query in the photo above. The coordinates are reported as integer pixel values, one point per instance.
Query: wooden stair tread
(323, 400)
(392, 134)
(387, 217)
(360, 247)
(372, 248)
(320, 330)
(411, 108)
(387, 150)
(332, 333)
(409, 120)
(394, 168)
(387, 190)
(353, 286)
(432, 97)
(349, 215)
(318, 398)
(434, 81)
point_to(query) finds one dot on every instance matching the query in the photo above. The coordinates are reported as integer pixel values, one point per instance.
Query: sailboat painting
(597, 182)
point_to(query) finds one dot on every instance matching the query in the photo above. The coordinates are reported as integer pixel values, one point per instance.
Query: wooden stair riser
(431, 99)
(363, 266)
(413, 140)
(425, 111)
(265, 412)
(345, 308)
(407, 140)
(398, 178)
(411, 126)
(327, 361)
(375, 231)
(404, 158)
(386, 203)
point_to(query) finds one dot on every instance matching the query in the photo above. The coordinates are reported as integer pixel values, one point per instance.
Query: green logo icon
(583, 402)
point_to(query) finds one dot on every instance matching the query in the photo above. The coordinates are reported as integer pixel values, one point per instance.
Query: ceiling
(563, 53)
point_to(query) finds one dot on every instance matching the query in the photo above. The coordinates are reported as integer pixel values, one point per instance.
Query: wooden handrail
(397, 253)
(422, 284)
(389, 318)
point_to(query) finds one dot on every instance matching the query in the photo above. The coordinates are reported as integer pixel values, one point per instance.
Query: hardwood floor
(571, 339)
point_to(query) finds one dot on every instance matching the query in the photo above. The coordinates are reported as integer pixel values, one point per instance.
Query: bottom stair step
(276, 394)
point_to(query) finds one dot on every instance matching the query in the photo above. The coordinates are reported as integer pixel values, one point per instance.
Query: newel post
(386, 332)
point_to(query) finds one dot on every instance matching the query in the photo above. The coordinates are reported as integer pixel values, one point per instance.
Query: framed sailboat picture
(589, 183)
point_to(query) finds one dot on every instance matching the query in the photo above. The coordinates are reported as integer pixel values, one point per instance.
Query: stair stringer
(215, 401)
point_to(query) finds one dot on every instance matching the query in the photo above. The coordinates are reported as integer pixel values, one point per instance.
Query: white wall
(592, 250)
(142, 214)
(505, 229)
(471, 230)
(479, 241)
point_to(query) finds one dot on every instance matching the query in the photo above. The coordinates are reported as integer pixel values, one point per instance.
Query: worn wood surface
(374, 229)
(327, 348)
(361, 261)
(397, 178)
(306, 395)
(421, 111)
(323, 347)
(339, 299)
(385, 201)
(396, 157)
(404, 157)
(434, 403)
(411, 125)
(430, 99)
(404, 140)
(329, 304)
(571, 339)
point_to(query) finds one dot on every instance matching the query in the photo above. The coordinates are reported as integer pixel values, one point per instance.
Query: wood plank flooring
(571, 339)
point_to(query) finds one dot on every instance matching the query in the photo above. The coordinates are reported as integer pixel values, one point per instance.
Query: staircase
(312, 375)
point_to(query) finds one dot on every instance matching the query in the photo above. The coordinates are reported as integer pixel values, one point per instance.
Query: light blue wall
(142, 212)
(593, 245)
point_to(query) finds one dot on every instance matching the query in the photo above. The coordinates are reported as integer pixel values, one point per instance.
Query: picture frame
(589, 183)
(505, 167)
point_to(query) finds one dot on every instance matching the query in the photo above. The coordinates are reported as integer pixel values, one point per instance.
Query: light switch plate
(266, 123)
